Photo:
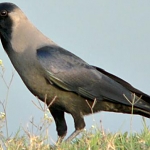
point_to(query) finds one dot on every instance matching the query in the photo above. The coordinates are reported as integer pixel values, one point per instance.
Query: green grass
(94, 139)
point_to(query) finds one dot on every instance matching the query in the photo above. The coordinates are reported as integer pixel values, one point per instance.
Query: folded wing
(71, 73)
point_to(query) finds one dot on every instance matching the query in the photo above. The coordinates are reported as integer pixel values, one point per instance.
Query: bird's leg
(60, 139)
(61, 126)
(79, 126)
(73, 135)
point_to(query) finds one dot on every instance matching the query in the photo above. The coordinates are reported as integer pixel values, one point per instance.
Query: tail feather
(141, 104)
(118, 107)
(141, 112)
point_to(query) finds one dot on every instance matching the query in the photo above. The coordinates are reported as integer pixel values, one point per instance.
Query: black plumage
(51, 71)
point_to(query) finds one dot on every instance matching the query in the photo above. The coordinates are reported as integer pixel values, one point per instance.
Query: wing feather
(71, 73)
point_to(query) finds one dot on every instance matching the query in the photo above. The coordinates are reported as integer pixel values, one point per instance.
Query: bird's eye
(3, 13)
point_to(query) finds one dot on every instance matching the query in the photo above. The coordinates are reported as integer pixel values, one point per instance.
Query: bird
(65, 82)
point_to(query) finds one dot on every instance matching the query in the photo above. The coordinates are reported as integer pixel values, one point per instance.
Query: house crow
(49, 71)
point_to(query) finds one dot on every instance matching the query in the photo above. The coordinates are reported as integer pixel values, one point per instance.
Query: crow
(49, 71)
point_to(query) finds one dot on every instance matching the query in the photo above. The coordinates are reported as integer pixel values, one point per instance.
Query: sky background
(113, 35)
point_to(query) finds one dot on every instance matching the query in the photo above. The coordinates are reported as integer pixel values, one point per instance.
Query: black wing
(73, 74)
(125, 84)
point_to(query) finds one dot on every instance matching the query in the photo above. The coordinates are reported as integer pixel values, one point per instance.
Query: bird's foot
(59, 140)
(73, 135)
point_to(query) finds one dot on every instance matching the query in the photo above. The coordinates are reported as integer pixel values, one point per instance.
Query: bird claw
(69, 139)
(59, 140)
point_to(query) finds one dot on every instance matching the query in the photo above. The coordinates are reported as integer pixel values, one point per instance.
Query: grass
(94, 139)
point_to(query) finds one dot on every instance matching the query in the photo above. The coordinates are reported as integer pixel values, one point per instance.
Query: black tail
(142, 107)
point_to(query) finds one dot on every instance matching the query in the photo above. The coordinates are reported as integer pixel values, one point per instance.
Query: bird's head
(12, 25)
(17, 33)
(10, 16)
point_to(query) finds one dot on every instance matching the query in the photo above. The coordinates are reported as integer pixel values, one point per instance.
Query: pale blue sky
(113, 35)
